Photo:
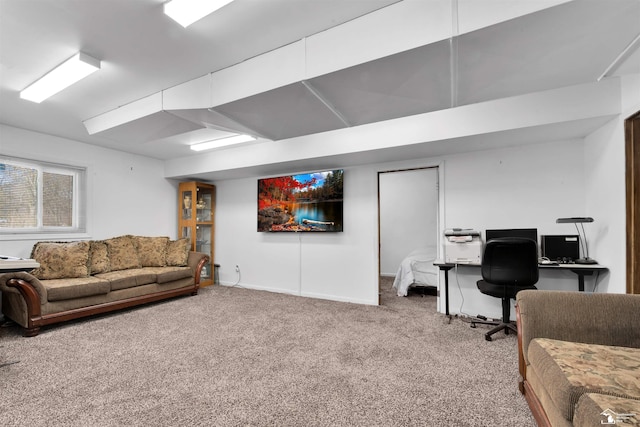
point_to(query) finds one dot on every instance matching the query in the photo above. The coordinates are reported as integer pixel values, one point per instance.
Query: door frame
(439, 166)
(632, 156)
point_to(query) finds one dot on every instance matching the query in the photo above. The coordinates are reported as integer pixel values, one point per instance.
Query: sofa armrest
(24, 283)
(197, 261)
(33, 294)
(592, 318)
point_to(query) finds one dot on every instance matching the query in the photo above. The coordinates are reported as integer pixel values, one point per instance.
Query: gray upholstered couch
(78, 279)
(579, 357)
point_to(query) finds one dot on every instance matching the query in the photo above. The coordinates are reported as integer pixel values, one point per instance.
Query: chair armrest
(592, 318)
(607, 319)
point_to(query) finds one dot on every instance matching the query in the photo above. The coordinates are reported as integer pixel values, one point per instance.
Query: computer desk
(580, 269)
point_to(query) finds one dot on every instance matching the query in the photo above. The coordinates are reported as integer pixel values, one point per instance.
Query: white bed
(416, 269)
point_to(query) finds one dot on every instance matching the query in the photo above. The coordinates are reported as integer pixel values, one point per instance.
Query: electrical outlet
(237, 269)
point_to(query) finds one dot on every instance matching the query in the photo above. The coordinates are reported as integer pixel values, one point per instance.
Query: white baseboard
(296, 293)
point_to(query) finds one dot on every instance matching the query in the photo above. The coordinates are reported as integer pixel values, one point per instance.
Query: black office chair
(509, 265)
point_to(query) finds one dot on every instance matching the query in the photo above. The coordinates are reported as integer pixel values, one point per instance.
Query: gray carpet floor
(238, 357)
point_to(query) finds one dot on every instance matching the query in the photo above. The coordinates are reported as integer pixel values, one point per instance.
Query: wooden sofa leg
(31, 332)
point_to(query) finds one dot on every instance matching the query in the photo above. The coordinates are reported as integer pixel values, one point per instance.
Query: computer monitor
(527, 233)
(564, 249)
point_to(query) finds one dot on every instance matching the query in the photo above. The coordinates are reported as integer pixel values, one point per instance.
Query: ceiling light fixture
(223, 142)
(69, 72)
(186, 12)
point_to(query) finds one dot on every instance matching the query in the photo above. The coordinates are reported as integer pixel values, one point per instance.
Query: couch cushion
(123, 279)
(178, 252)
(570, 370)
(122, 253)
(152, 251)
(61, 260)
(169, 274)
(64, 289)
(597, 409)
(98, 258)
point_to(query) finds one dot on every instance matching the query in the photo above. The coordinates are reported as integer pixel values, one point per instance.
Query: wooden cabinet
(196, 211)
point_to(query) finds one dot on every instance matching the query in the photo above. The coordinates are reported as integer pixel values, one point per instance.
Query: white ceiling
(143, 52)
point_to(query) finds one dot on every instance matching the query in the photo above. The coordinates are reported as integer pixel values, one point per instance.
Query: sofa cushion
(64, 289)
(98, 258)
(169, 274)
(61, 260)
(178, 252)
(597, 409)
(122, 253)
(570, 369)
(152, 251)
(123, 279)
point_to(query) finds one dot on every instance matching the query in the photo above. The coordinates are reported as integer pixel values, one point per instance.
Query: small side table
(10, 264)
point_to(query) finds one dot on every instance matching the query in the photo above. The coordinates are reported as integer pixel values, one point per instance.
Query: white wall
(524, 186)
(605, 201)
(521, 187)
(126, 194)
(408, 215)
(338, 266)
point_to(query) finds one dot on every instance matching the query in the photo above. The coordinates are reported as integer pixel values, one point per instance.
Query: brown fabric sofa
(579, 357)
(78, 279)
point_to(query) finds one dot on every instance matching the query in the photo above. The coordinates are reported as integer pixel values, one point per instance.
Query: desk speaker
(564, 249)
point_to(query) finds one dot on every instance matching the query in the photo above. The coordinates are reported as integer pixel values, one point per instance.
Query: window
(37, 197)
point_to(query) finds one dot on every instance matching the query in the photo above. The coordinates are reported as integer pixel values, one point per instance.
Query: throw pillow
(61, 260)
(152, 251)
(178, 252)
(122, 253)
(99, 258)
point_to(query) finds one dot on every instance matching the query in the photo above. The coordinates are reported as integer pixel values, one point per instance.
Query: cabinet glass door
(203, 240)
(203, 205)
(187, 204)
(196, 222)
(203, 244)
(186, 233)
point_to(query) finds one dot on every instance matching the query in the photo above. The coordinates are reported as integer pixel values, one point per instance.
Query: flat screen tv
(302, 202)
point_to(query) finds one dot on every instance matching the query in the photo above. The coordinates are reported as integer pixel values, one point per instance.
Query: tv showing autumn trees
(303, 202)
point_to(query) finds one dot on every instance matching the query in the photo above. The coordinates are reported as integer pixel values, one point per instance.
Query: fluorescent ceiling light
(223, 142)
(186, 12)
(72, 70)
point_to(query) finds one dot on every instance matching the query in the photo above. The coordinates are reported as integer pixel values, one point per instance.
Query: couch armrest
(197, 261)
(592, 318)
(33, 294)
(24, 283)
